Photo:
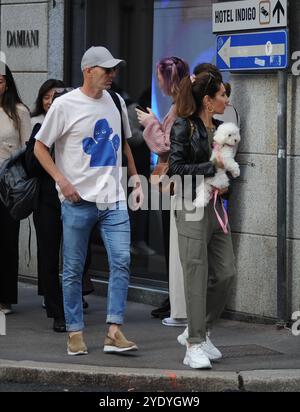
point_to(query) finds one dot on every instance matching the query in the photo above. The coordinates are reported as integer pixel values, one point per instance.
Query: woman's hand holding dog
(218, 162)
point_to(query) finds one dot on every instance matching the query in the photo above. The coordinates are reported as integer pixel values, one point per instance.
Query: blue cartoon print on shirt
(101, 147)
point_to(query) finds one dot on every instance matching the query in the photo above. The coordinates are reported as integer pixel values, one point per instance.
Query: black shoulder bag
(117, 102)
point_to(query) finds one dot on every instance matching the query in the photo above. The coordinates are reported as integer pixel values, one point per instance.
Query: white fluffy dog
(226, 140)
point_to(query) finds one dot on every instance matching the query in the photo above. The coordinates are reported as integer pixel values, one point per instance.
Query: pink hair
(173, 70)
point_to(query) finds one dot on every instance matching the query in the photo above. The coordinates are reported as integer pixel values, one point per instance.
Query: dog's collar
(218, 146)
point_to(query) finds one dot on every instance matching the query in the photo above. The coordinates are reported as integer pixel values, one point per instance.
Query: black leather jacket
(189, 153)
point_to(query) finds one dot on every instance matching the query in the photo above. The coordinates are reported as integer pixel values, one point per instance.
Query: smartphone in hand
(141, 108)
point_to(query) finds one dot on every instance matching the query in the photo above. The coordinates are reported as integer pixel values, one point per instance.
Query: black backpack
(32, 165)
(18, 191)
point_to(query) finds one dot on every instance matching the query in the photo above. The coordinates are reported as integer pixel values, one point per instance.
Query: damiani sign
(23, 38)
(249, 15)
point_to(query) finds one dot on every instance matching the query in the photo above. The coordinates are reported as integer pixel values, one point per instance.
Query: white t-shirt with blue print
(88, 144)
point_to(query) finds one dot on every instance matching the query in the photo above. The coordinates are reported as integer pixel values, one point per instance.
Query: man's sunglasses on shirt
(60, 91)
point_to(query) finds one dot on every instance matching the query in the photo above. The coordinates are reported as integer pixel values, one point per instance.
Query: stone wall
(254, 199)
(31, 65)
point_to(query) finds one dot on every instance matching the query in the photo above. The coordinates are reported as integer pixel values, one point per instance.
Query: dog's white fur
(226, 139)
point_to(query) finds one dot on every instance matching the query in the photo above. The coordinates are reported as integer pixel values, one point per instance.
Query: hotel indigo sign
(22, 38)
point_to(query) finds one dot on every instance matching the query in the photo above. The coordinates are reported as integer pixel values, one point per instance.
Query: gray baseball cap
(99, 56)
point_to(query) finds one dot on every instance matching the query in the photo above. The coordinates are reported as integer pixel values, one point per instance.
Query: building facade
(43, 39)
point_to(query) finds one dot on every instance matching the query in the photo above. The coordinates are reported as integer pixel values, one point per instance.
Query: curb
(149, 380)
(284, 380)
(120, 379)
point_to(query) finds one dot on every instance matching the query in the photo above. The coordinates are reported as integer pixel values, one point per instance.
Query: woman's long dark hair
(44, 89)
(190, 98)
(11, 99)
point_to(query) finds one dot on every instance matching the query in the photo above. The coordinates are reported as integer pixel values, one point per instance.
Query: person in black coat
(46, 216)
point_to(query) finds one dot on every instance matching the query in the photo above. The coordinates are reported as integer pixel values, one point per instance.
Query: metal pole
(281, 200)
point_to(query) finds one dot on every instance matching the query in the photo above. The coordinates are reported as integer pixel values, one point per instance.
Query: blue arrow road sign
(266, 50)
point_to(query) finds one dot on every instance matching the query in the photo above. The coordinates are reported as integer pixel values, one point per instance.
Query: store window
(126, 28)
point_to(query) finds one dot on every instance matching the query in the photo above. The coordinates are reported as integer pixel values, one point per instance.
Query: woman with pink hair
(170, 71)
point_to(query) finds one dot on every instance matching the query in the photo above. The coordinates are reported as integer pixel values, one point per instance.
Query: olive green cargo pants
(207, 259)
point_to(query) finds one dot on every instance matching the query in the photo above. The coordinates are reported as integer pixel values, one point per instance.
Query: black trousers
(9, 257)
(48, 227)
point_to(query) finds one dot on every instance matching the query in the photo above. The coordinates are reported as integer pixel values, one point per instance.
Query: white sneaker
(212, 352)
(208, 347)
(196, 358)
(182, 339)
(174, 322)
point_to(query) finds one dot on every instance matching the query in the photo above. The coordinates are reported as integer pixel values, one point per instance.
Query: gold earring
(210, 108)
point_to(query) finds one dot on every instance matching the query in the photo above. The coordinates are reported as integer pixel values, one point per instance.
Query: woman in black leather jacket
(204, 247)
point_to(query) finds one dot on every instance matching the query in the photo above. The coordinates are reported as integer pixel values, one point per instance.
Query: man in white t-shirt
(86, 127)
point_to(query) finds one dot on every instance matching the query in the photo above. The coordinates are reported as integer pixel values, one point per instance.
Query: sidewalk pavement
(255, 357)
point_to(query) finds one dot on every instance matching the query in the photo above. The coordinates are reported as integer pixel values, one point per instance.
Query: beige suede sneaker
(76, 345)
(118, 344)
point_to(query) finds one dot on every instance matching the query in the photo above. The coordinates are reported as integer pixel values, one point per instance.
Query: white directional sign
(249, 15)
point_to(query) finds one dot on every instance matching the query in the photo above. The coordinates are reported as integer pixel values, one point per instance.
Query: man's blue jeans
(78, 222)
